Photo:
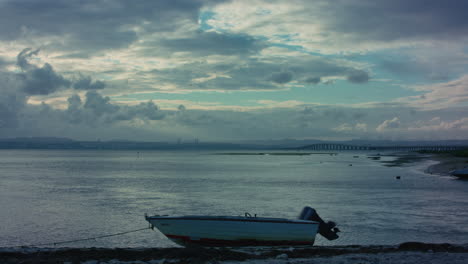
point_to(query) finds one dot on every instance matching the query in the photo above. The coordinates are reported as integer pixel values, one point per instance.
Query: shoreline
(329, 254)
(446, 162)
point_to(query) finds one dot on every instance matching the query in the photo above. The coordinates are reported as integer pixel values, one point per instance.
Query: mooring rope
(83, 239)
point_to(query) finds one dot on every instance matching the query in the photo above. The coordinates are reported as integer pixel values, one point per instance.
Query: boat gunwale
(235, 219)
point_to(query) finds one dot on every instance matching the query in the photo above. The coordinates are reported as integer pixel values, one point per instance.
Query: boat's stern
(326, 229)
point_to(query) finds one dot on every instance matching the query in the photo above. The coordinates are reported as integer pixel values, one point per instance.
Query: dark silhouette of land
(287, 144)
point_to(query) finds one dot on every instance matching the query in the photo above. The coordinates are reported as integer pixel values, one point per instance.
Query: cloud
(313, 80)
(346, 127)
(22, 58)
(186, 49)
(385, 21)
(281, 77)
(361, 127)
(92, 26)
(45, 80)
(98, 110)
(3, 63)
(73, 113)
(94, 116)
(12, 100)
(256, 73)
(389, 125)
(86, 83)
(345, 25)
(358, 76)
(99, 104)
(436, 125)
(38, 80)
(436, 62)
(18, 87)
(343, 127)
(181, 108)
(147, 110)
(201, 43)
(440, 95)
(42, 80)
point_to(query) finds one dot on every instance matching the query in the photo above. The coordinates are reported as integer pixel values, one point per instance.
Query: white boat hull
(235, 231)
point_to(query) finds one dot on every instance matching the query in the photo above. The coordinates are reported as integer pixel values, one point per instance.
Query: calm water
(48, 195)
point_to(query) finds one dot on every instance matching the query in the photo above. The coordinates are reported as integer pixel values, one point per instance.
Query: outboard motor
(326, 229)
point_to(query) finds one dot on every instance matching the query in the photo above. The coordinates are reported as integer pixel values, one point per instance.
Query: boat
(461, 173)
(244, 230)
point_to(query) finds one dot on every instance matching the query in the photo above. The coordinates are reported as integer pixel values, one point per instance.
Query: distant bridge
(344, 147)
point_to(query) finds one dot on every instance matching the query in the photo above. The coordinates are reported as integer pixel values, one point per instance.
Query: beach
(411, 252)
(443, 162)
(446, 163)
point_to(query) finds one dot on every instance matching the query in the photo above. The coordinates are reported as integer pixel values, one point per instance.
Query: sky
(234, 70)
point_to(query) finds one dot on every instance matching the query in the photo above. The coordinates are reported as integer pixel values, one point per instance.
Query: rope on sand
(83, 239)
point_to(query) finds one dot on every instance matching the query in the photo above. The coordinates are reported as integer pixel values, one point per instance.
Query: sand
(411, 252)
(446, 164)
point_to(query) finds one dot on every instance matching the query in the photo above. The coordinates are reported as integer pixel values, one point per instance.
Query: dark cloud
(23, 56)
(93, 25)
(281, 77)
(314, 80)
(17, 87)
(86, 83)
(358, 76)
(207, 43)
(148, 110)
(38, 80)
(99, 104)
(73, 112)
(44, 80)
(257, 74)
(12, 100)
(399, 19)
(98, 110)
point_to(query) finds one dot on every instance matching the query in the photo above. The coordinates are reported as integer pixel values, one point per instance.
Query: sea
(50, 196)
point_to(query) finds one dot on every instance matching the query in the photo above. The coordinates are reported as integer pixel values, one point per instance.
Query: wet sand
(403, 158)
(446, 164)
(410, 252)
